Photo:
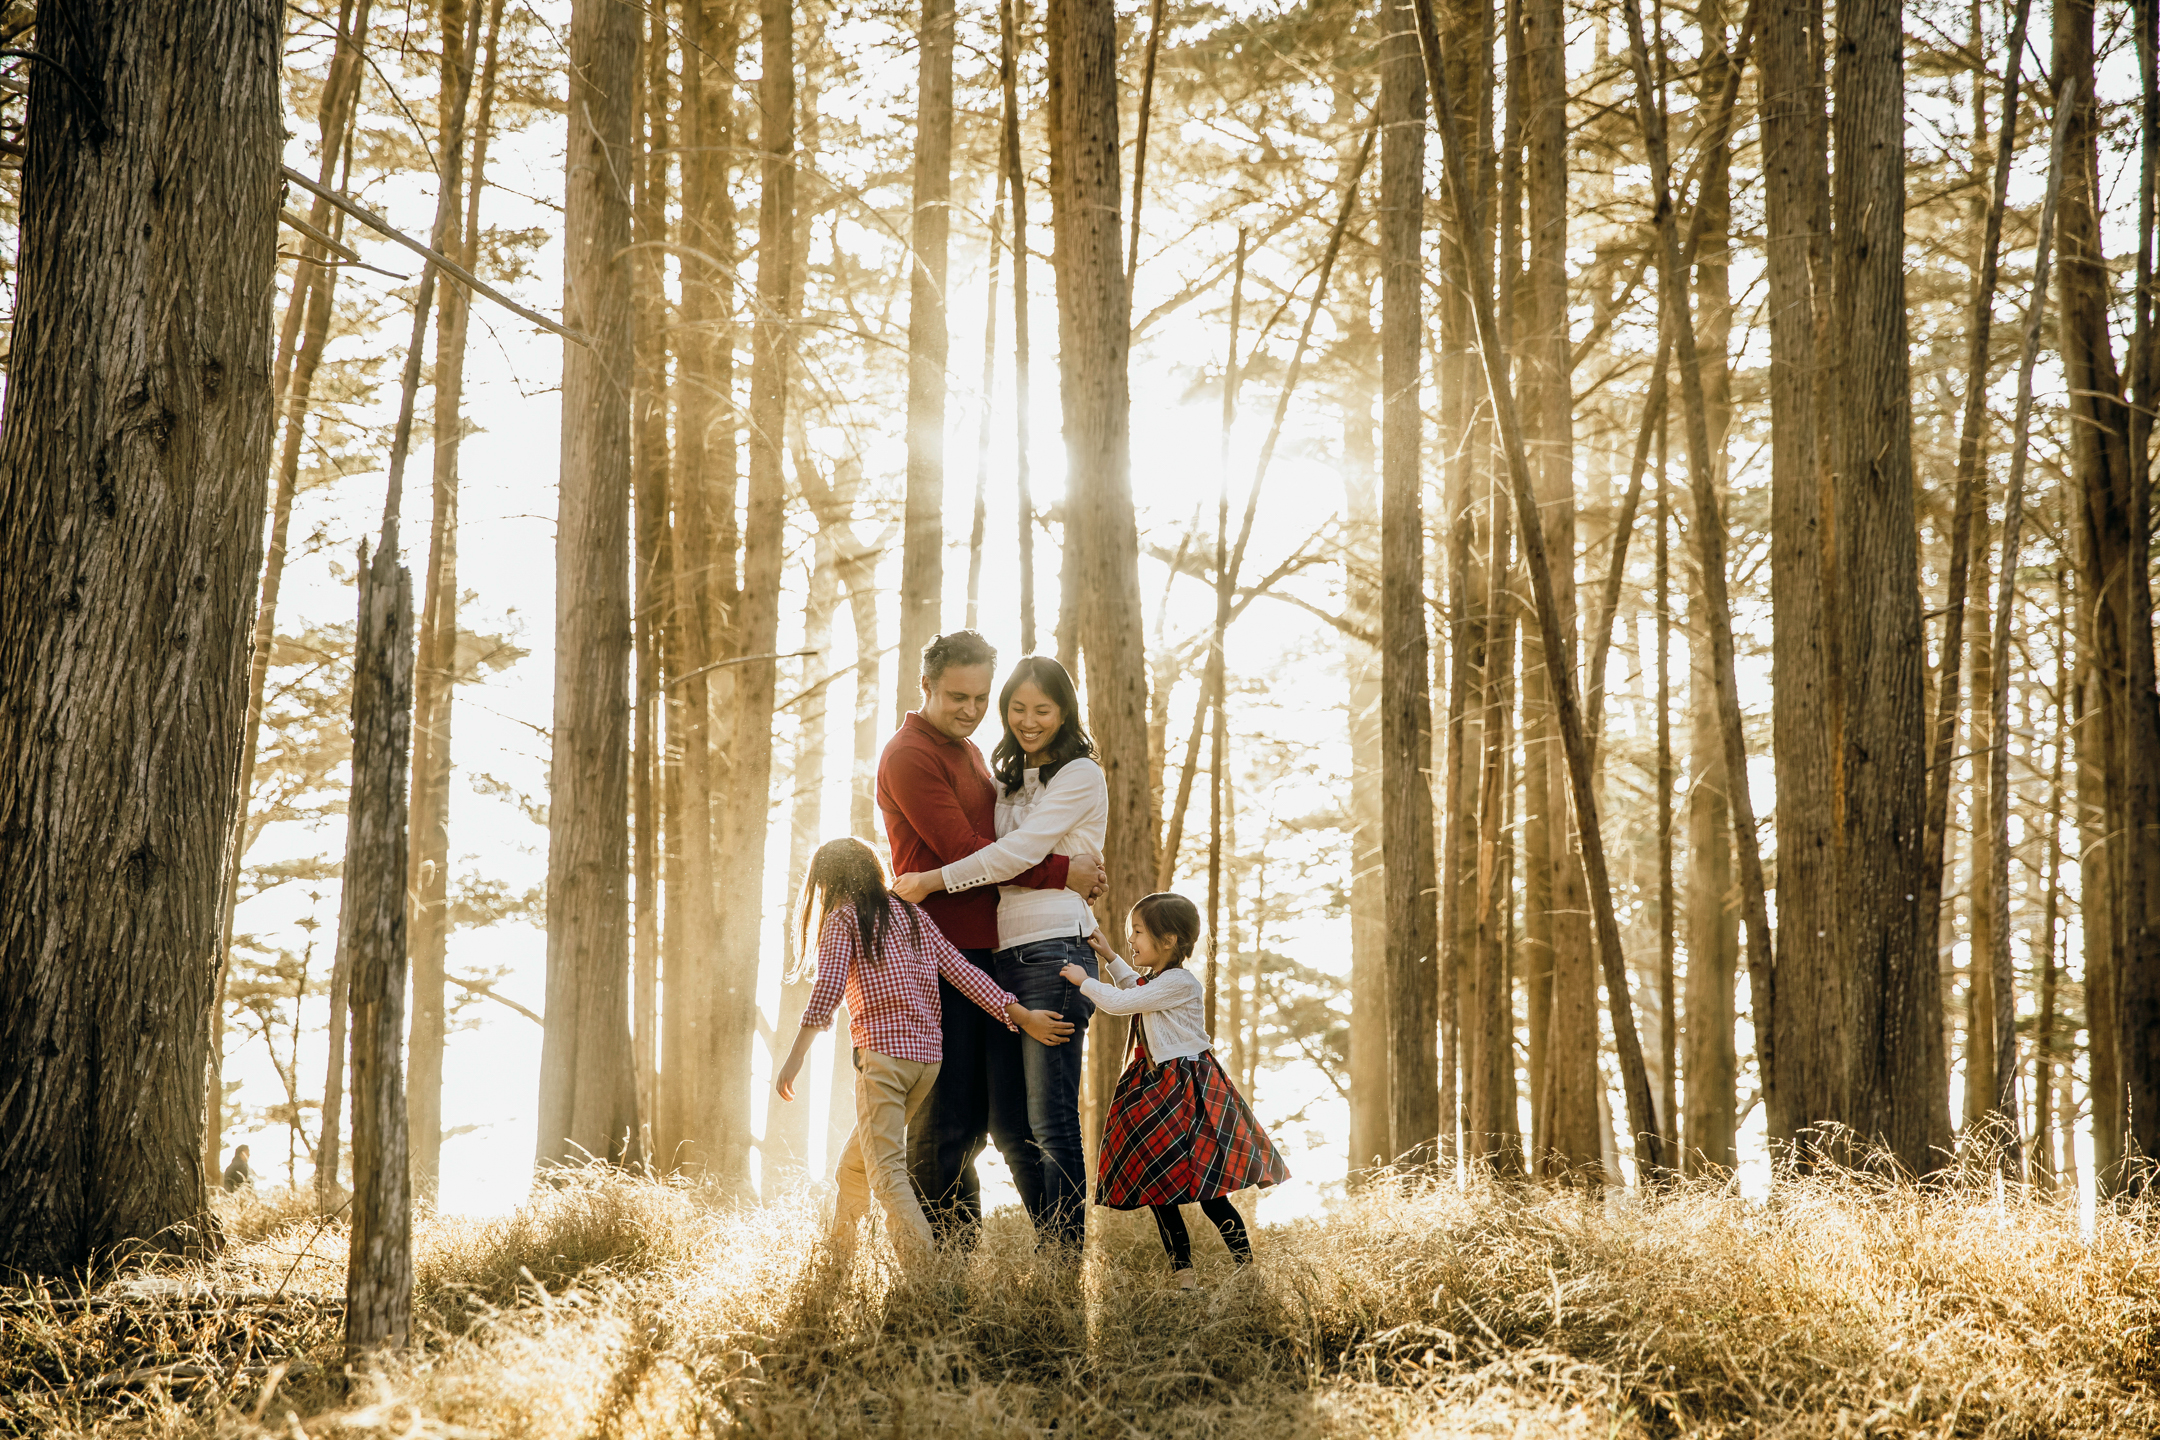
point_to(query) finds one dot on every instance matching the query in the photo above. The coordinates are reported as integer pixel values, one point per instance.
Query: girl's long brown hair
(845, 873)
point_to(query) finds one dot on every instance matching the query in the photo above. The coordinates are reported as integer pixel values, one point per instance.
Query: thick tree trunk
(1414, 1118)
(702, 597)
(1897, 1085)
(588, 1088)
(137, 432)
(372, 934)
(1572, 1080)
(745, 781)
(1102, 541)
(1710, 1059)
(922, 555)
(2123, 980)
(1810, 1037)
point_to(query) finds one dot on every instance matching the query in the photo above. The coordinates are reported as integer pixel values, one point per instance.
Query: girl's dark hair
(843, 873)
(1008, 761)
(1171, 917)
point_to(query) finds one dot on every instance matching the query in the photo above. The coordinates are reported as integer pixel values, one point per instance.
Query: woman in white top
(1052, 799)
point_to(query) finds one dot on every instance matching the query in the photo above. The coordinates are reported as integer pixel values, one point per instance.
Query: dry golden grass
(618, 1307)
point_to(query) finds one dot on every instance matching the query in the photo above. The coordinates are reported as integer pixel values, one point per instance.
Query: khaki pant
(888, 1092)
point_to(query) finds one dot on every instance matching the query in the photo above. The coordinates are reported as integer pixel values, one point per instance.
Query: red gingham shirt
(893, 1001)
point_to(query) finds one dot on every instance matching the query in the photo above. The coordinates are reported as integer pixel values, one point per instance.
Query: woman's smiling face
(1033, 717)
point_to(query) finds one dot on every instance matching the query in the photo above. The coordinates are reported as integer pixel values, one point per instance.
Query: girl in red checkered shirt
(882, 953)
(1178, 1133)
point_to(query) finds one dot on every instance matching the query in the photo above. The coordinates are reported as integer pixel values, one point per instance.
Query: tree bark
(435, 670)
(649, 486)
(588, 1088)
(372, 932)
(1543, 352)
(137, 431)
(1102, 551)
(1980, 892)
(1016, 185)
(1369, 1138)
(1810, 1038)
(745, 781)
(922, 554)
(1413, 968)
(1897, 1082)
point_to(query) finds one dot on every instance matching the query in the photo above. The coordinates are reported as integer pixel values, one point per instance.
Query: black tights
(1171, 1222)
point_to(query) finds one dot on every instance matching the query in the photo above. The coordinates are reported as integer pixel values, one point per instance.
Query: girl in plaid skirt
(1178, 1132)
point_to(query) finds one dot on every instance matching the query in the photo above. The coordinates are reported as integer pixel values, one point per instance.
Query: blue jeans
(1050, 1075)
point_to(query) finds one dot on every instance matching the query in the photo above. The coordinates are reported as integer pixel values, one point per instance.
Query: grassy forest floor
(619, 1307)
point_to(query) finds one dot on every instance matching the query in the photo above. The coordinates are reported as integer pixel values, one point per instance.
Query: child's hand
(1101, 947)
(1047, 1026)
(785, 1081)
(1074, 975)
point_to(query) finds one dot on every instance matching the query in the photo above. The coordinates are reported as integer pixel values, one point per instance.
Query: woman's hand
(1046, 1026)
(1075, 975)
(917, 884)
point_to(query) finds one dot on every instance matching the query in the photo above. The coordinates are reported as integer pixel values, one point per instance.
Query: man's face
(957, 700)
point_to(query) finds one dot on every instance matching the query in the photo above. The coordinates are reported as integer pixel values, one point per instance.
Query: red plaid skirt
(1179, 1133)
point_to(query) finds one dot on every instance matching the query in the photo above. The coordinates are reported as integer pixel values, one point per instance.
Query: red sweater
(940, 805)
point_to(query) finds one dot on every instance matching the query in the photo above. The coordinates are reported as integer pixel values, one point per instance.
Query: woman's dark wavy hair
(1008, 762)
(846, 873)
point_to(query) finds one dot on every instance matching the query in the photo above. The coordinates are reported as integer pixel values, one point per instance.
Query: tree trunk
(2123, 987)
(922, 556)
(588, 1088)
(1668, 898)
(1414, 1118)
(1897, 1085)
(703, 598)
(137, 432)
(1369, 1138)
(314, 287)
(435, 671)
(1102, 549)
(1979, 892)
(649, 486)
(1572, 1083)
(372, 933)
(745, 783)
(1810, 1037)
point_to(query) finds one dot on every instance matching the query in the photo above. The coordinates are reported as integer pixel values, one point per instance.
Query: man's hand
(1046, 1026)
(1084, 874)
(914, 886)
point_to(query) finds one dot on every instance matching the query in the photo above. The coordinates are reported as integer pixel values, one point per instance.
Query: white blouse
(1069, 816)
(1174, 1003)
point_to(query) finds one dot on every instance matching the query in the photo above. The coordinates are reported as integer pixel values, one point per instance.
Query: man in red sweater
(939, 803)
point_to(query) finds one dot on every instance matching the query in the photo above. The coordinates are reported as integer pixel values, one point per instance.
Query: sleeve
(1163, 994)
(919, 790)
(836, 947)
(1125, 976)
(1064, 803)
(967, 979)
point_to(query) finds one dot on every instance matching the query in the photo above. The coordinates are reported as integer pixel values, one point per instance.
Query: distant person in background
(1178, 1133)
(939, 804)
(877, 950)
(1052, 798)
(237, 1175)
